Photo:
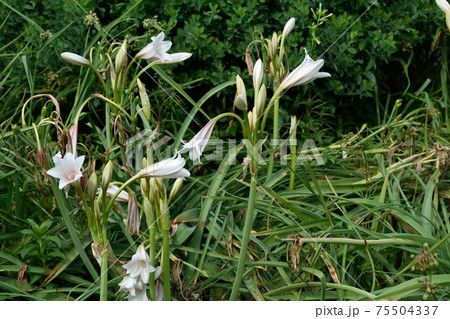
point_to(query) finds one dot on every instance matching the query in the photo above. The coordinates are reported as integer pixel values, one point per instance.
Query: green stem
(166, 265)
(237, 117)
(100, 78)
(245, 239)
(88, 213)
(150, 217)
(293, 162)
(104, 275)
(275, 136)
(152, 262)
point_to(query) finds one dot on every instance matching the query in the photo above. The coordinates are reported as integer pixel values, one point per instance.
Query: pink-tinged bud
(133, 218)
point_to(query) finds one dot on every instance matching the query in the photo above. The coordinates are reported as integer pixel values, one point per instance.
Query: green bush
(357, 43)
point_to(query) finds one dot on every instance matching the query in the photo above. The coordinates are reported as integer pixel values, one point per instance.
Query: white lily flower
(288, 27)
(139, 265)
(156, 50)
(138, 274)
(240, 99)
(75, 59)
(197, 144)
(67, 169)
(306, 72)
(257, 74)
(168, 168)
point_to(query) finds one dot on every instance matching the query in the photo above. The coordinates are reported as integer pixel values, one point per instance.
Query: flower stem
(153, 263)
(104, 275)
(245, 238)
(275, 135)
(166, 265)
(293, 161)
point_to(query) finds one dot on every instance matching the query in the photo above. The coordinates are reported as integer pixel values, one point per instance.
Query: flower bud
(148, 210)
(288, 27)
(75, 59)
(92, 186)
(42, 159)
(164, 215)
(240, 100)
(273, 46)
(44, 112)
(175, 188)
(121, 57)
(144, 101)
(106, 176)
(159, 184)
(261, 100)
(257, 74)
(133, 218)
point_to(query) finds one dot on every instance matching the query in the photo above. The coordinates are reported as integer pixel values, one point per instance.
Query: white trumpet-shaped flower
(306, 72)
(197, 144)
(139, 265)
(75, 58)
(67, 169)
(138, 273)
(168, 168)
(156, 50)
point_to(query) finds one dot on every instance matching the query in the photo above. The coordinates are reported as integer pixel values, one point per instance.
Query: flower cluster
(138, 273)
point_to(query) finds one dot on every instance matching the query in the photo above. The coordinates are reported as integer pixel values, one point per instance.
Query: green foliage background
(364, 62)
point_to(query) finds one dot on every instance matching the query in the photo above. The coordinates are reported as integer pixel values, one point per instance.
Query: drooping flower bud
(75, 59)
(133, 218)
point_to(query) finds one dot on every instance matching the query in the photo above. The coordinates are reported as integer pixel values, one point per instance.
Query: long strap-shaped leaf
(216, 179)
(72, 231)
